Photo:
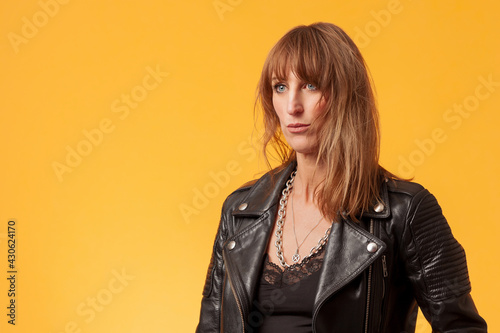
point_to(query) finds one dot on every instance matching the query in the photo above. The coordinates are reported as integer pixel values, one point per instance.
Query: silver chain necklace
(296, 256)
(281, 221)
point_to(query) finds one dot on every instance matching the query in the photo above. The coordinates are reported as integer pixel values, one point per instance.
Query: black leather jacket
(374, 272)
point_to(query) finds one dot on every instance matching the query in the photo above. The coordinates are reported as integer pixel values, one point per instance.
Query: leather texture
(417, 261)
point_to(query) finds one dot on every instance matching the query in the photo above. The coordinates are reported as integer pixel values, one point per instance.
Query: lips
(297, 127)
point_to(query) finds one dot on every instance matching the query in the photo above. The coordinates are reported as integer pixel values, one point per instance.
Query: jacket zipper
(385, 274)
(384, 266)
(235, 297)
(369, 288)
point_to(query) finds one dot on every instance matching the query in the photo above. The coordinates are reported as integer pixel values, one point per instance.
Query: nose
(294, 102)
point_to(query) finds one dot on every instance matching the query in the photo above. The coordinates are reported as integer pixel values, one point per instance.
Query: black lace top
(285, 298)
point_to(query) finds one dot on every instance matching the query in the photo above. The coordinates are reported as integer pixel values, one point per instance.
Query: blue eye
(279, 88)
(311, 86)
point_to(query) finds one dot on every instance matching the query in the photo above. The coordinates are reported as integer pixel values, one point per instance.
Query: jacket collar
(266, 192)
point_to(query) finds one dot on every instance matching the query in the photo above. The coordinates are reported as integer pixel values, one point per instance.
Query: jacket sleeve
(212, 292)
(437, 269)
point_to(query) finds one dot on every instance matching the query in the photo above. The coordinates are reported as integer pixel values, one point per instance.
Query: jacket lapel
(351, 249)
(244, 261)
(346, 256)
(253, 221)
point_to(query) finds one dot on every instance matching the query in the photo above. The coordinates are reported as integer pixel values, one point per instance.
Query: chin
(303, 147)
(305, 150)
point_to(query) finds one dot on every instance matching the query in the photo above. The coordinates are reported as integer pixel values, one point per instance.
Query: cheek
(278, 109)
(320, 107)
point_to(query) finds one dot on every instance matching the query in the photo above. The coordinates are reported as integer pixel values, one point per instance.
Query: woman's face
(297, 105)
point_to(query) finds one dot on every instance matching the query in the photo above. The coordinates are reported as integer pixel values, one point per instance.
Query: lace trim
(278, 277)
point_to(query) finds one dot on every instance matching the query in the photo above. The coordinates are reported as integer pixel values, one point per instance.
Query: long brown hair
(323, 54)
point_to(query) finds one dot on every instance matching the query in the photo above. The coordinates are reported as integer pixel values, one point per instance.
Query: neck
(309, 176)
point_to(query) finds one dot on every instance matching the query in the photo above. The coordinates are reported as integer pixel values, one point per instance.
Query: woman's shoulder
(409, 196)
(235, 198)
(237, 194)
(247, 185)
(262, 191)
(404, 187)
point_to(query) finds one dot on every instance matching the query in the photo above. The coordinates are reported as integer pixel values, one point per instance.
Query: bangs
(303, 52)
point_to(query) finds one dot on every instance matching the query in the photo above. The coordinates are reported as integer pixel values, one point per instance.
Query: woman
(330, 241)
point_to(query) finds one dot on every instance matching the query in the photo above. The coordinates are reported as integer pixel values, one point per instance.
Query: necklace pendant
(296, 257)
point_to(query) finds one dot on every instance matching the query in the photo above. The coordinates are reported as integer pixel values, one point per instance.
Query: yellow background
(145, 200)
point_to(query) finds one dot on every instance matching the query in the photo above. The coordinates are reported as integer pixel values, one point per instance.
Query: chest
(301, 232)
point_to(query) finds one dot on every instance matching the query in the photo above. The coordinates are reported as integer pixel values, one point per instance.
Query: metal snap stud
(243, 206)
(231, 245)
(372, 247)
(378, 207)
